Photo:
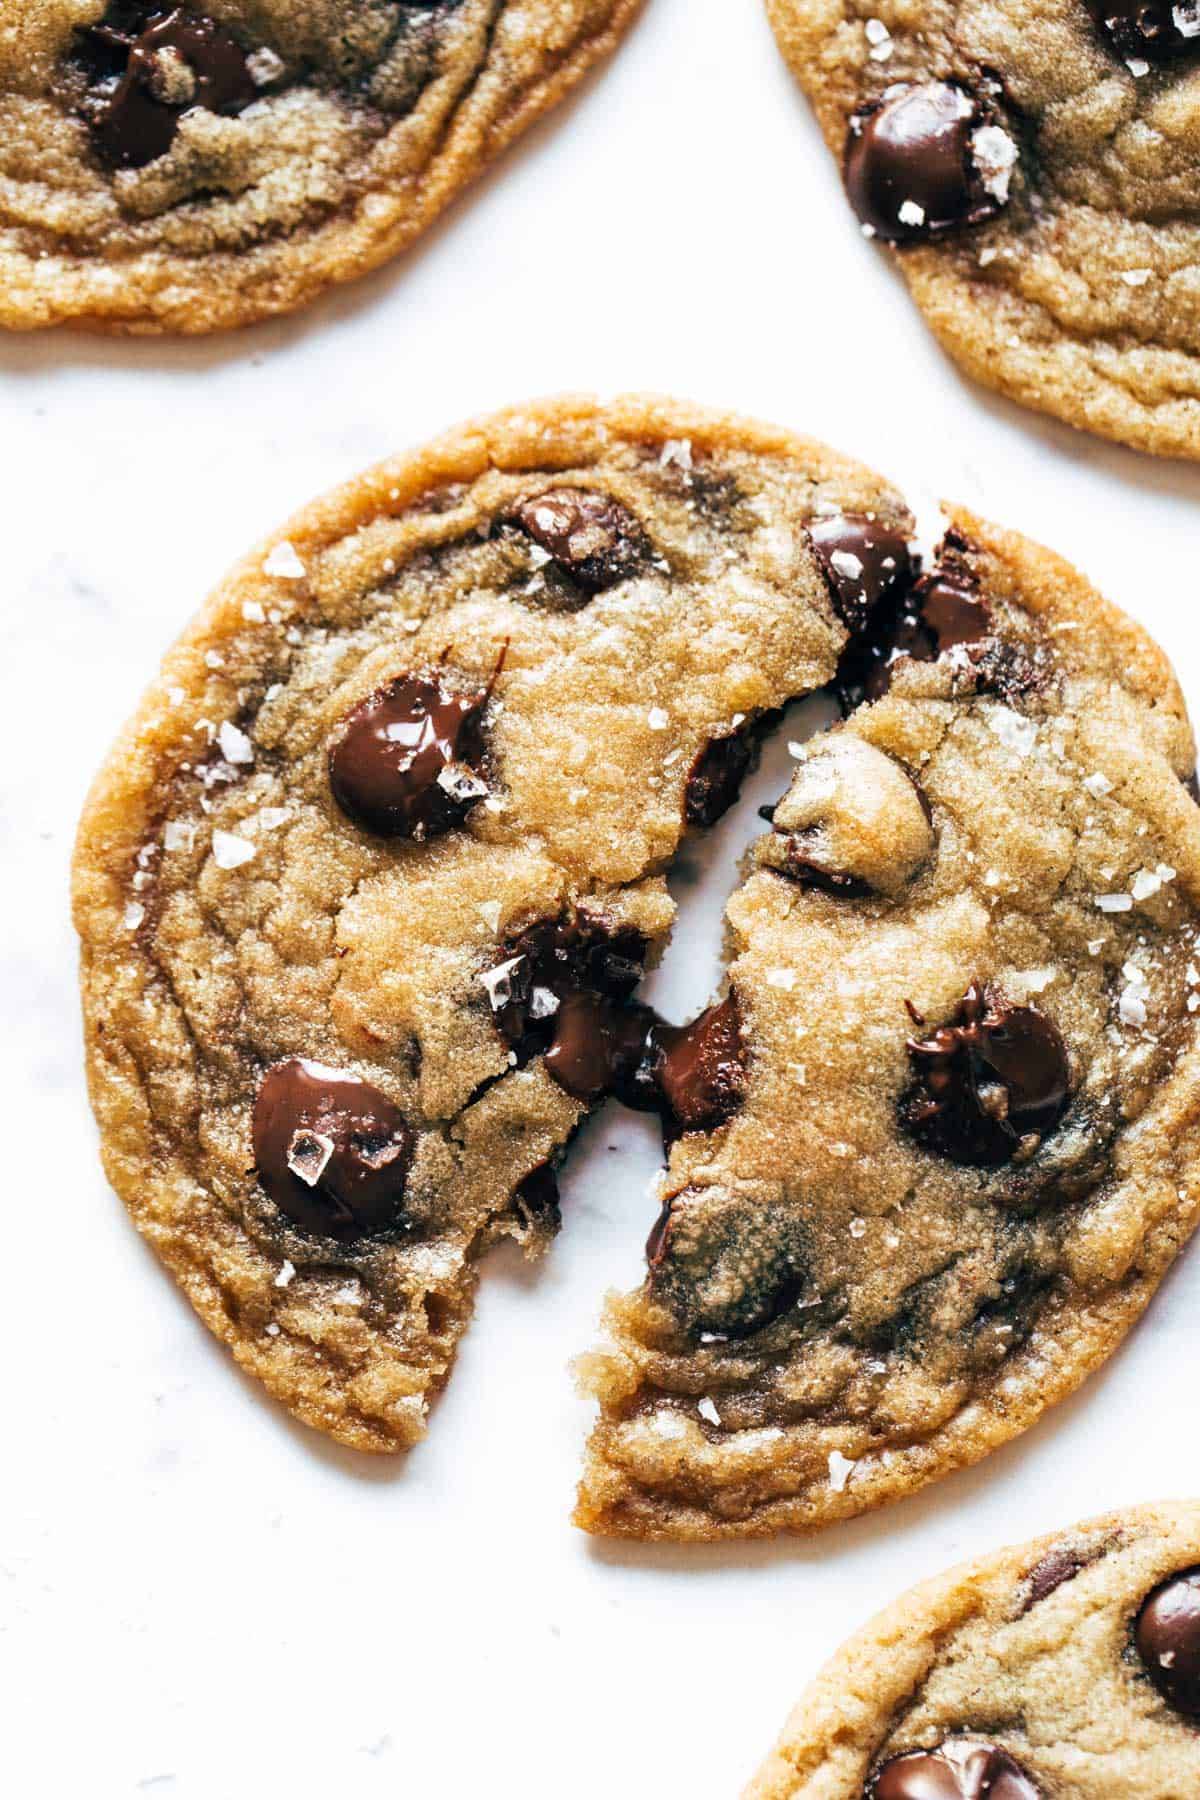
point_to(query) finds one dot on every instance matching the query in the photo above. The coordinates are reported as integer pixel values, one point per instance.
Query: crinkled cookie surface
(1063, 1669)
(964, 1151)
(366, 890)
(1036, 166)
(570, 602)
(189, 167)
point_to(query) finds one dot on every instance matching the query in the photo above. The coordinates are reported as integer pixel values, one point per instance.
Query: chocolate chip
(863, 560)
(537, 1195)
(1155, 30)
(959, 1769)
(1167, 1635)
(596, 1044)
(1051, 1572)
(591, 538)
(148, 66)
(926, 159)
(716, 776)
(989, 1084)
(547, 964)
(944, 609)
(406, 761)
(699, 1068)
(951, 610)
(330, 1150)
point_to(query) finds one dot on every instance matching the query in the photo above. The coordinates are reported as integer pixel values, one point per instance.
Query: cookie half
(1033, 166)
(964, 1150)
(367, 883)
(189, 167)
(1067, 1667)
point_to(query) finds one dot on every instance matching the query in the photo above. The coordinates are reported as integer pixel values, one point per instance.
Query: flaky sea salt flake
(308, 1155)
(284, 563)
(235, 745)
(840, 1470)
(230, 851)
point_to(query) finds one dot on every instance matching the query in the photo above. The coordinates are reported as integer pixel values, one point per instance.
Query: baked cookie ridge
(964, 1151)
(365, 887)
(1064, 1667)
(192, 167)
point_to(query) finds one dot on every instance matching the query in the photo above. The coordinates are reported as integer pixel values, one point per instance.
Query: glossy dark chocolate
(406, 761)
(148, 65)
(995, 1075)
(863, 560)
(1167, 1635)
(590, 537)
(330, 1150)
(958, 1769)
(1149, 30)
(914, 167)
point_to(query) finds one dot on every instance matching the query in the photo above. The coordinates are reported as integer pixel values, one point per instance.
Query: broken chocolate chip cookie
(189, 167)
(1034, 168)
(367, 889)
(1065, 1669)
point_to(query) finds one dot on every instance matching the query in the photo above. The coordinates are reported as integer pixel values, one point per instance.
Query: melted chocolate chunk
(591, 538)
(537, 1195)
(990, 1083)
(950, 610)
(597, 1045)
(716, 776)
(330, 1150)
(1167, 1635)
(148, 65)
(1154, 30)
(406, 761)
(698, 1069)
(924, 160)
(564, 990)
(959, 1769)
(941, 611)
(1054, 1570)
(547, 965)
(863, 560)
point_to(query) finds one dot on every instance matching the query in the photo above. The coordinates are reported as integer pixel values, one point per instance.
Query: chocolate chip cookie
(1033, 166)
(188, 167)
(1065, 1669)
(367, 889)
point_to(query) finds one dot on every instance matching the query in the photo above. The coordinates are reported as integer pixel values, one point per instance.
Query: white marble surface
(198, 1598)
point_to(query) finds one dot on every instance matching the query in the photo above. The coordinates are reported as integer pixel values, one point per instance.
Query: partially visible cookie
(1034, 166)
(1064, 1669)
(187, 167)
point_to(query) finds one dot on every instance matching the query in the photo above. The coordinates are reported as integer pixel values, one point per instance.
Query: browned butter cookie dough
(1064, 1669)
(187, 167)
(367, 889)
(1035, 166)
